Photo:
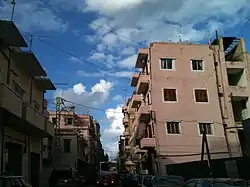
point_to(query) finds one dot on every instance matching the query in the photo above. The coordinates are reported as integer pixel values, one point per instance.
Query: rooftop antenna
(13, 2)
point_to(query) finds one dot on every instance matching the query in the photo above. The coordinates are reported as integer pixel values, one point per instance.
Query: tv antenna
(13, 3)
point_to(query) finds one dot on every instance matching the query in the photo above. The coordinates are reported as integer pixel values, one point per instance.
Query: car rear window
(63, 174)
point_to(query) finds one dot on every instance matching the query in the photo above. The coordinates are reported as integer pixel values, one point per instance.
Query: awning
(44, 83)
(28, 61)
(10, 34)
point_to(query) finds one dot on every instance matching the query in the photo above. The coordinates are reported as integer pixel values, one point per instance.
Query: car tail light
(112, 181)
(97, 182)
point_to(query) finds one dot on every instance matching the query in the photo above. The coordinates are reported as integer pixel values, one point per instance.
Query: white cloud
(138, 22)
(111, 6)
(97, 56)
(79, 89)
(32, 15)
(111, 149)
(117, 98)
(128, 51)
(123, 74)
(115, 116)
(112, 133)
(98, 94)
(128, 62)
(74, 59)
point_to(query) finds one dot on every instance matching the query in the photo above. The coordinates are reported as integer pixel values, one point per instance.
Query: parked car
(13, 181)
(166, 181)
(130, 180)
(217, 182)
(105, 180)
(66, 177)
(143, 180)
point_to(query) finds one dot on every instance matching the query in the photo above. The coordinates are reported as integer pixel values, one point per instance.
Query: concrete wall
(185, 110)
(69, 159)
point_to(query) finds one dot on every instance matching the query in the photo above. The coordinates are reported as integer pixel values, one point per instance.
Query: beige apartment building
(183, 89)
(23, 109)
(80, 141)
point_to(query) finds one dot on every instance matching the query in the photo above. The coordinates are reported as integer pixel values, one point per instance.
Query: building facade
(182, 91)
(23, 109)
(80, 145)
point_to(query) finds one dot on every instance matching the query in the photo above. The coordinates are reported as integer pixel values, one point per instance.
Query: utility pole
(204, 145)
(57, 155)
(218, 75)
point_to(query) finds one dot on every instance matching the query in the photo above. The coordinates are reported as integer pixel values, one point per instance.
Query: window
(169, 95)
(67, 145)
(173, 128)
(207, 127)
(167, 63)
(68, 121)
(18, 89)
(201, 96)
(197, 65)
(54, 121)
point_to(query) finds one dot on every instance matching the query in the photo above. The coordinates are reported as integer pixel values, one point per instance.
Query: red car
(105, 181)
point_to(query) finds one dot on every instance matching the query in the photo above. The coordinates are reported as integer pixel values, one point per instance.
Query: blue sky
(92, 44)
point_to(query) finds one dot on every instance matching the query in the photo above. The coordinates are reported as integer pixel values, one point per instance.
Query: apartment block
(183, 90)
(23, 109)
(80, 141)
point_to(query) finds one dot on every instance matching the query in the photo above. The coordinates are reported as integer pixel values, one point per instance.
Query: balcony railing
(125, 120)
(135, 100)
(33, 116)
(49, 127)
(134, 80)
(147, 143)
(10, 100)
(143, 83)
(239, 91)
(235, 65)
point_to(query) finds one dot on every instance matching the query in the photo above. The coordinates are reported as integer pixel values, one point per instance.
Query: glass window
(201, 95)
(167, 63)
(173, 127)
(169, 95)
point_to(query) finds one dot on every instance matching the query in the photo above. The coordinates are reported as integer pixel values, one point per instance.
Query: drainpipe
(154, 124)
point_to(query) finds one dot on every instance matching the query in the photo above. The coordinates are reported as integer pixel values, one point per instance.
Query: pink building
(181, 90)
(80, 139)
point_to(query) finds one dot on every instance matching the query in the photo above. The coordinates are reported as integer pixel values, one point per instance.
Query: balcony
(143, 84)
(143, 113)
(134, 80)
(126, 133)
(10, 34)
(125, 120)
(127, 147)
(49, 127)
(138, 150)
(10, 100)
(135, 101)
(33, 117)
(238, 92)
(235, 65)
(124, 109)
(141, 58)
(147, 143)
(129, 163)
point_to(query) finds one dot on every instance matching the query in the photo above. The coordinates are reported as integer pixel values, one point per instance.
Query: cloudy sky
(92, 44)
